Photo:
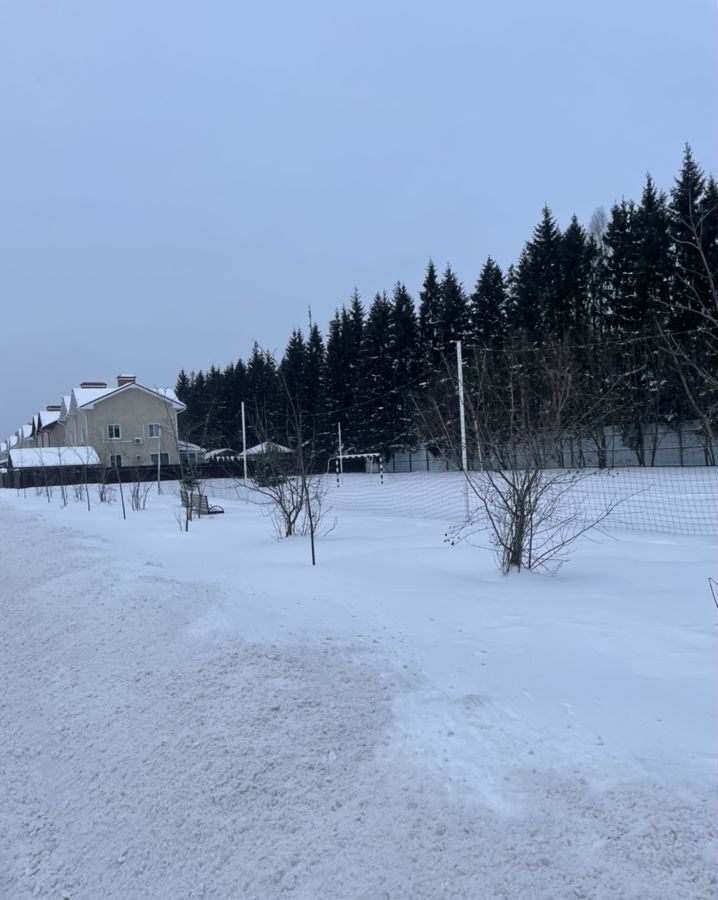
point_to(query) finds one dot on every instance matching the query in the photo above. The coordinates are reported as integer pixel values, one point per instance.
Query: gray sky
(182, 178)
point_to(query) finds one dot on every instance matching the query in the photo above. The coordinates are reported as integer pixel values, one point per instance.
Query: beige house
(127, 425)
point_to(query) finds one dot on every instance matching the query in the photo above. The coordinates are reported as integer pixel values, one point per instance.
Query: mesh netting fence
(678, 500)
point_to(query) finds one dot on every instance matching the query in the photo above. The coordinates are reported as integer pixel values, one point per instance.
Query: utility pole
(159, 457)
(462, 416)
(244, 443)
(341, 459)
(462, 424)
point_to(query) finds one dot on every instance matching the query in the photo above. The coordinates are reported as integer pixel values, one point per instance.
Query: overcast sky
(182, 178)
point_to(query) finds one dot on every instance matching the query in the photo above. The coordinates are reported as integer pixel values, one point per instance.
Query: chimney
(122, 380)
(93, 384)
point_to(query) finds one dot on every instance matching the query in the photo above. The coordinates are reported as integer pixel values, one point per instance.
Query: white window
(153, 430)
(113, 432)
(164, 459)
(116, 460)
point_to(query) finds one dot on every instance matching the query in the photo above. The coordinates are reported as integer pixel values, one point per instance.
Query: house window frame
(115, 460)
(164, 459)
(111, 428)
(151, 433)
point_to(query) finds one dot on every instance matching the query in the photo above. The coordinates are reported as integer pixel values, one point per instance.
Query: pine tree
(685, 214)
(654, 265)
(537, 303)
(314, 387)
(293, 369)
(183, 389)
(405, 335)
(429, 304)
(263, 405)
(575, 276)
(344, 370)
(406, 364)
(375, 415)
(182, 386)
(488, 307)
(627, 318)
(453, 314)
(337, 396)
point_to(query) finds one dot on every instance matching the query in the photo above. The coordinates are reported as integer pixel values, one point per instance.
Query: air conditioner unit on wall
(138, 440)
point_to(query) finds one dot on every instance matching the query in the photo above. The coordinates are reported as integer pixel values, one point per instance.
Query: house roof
(39, 457)
(48, 417)
(65, 407)
(87, 397)
(224, 451)
(187, 447)
(267, 447)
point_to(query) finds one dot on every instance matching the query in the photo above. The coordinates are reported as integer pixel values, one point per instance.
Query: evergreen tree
(627, 318)
(314, 377)
(337, 396)
(575, 275)
(453, 314)
(709, 236)
(344, 371)
(537, 301)
(263, 404)
(375, 414)
(293, 369)
(429, 305)
(405, 360)
(654, 265)
(488, 306)
(182, 386)
(213, 426)
(689, 284)
(183, 389)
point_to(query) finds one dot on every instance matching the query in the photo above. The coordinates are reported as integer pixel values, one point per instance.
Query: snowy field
(204, 715)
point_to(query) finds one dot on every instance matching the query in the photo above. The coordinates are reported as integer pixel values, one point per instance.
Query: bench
(200, 504)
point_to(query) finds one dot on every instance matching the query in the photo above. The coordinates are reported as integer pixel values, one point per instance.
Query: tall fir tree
(375, 414)
(292, 369)
(314, 387)
(626, 317)
(575, 263)
(537, 301)
(406, 365)
(429, 305)
(488, 307)
(654, 264)
(689, 285)
(453, 314)
(263, 406)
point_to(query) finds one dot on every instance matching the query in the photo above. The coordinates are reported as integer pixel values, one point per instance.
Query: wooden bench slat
(200, 504)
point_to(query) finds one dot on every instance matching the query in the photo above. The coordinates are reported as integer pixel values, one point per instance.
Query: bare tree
(285, 477)
(139, 491)
(525, 499)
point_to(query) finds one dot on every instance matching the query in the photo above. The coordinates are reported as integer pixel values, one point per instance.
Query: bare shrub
(139, 491)
(520, 415)
(294, 498)
(532, 515)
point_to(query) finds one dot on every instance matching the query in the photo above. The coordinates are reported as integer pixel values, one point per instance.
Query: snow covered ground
(204, 715)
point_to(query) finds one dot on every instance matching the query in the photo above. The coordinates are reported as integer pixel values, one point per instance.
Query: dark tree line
(617, 307)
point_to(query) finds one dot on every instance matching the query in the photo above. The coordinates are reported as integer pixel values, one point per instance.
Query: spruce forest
(618, 317)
